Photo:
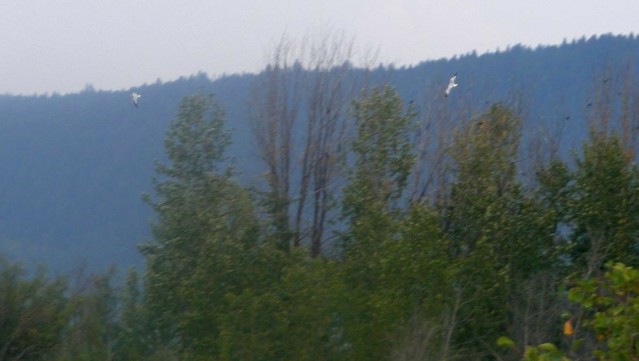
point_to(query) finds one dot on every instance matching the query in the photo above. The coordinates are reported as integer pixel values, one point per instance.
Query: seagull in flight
(451, 85)
(134, 99)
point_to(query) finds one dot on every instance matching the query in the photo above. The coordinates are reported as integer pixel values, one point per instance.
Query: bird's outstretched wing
(134, 98)
(451, 84)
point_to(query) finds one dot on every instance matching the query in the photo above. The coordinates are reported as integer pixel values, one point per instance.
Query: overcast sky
(62, 45)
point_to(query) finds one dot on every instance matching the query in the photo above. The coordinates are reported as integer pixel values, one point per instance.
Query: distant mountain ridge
(74, 166)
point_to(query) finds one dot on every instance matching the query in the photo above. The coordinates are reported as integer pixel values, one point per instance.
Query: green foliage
(611, 303)
(609, 318)
(486, 149)
(132, 327)
(297, 318)
(414, 291)
(410, 281)
(32, 313)
(504, 341)
(204, 231)
(42, 318)
(383, 294)
(543, 352)
(484, 153)
(196, 140)
(499, 237)
(555, 182)
(382, 147)
(91, 331)
(604, 204)
(383, 159)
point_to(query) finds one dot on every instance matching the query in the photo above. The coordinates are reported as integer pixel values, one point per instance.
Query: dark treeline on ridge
(318, 211)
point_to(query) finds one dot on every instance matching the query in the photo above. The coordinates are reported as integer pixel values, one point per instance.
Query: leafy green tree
(555, 182)
(596, 205)
(611, 302)
(499, 236)
(132, 333)
(91, 330)
(609, 308)
(295, 318)
(416, 300)
(382, 163)
(32, 313)
(372, 208)
(604, 205)
(484, 153)
(205, 227)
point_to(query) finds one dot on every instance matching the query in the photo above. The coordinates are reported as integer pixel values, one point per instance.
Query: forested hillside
(317, 211)
(74, 166)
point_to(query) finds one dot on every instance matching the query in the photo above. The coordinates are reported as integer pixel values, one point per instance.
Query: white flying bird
(451, 85)
(134, 98)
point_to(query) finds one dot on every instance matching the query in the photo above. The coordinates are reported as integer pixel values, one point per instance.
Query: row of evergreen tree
(438, 276)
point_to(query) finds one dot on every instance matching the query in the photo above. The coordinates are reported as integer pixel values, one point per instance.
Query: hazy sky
(62, 45)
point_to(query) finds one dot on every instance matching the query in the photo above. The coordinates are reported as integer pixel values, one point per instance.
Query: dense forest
(347, 213)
